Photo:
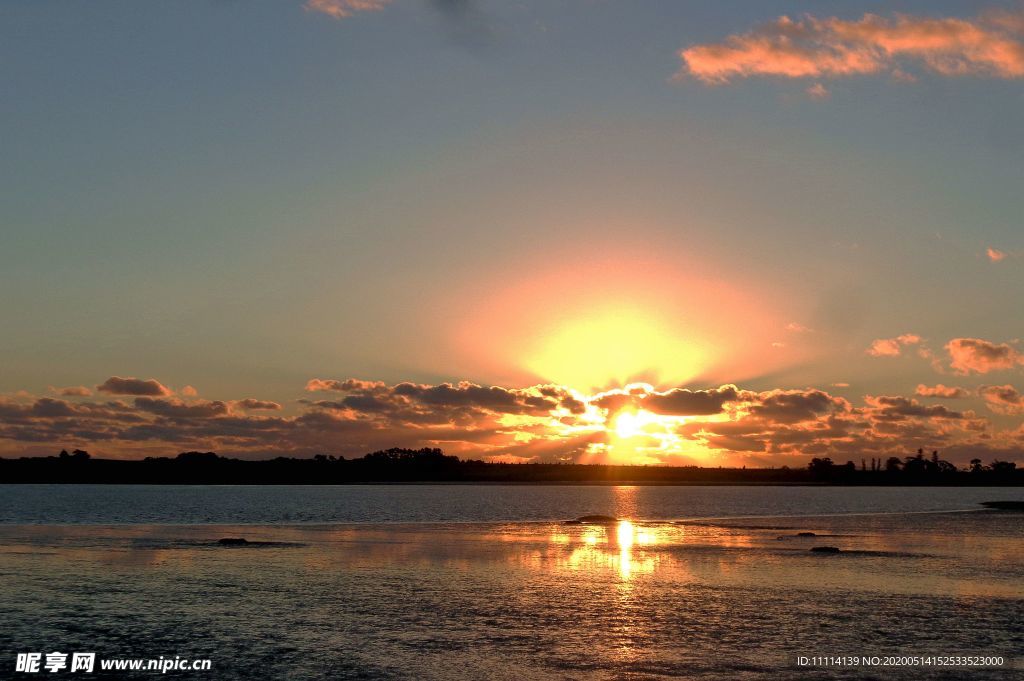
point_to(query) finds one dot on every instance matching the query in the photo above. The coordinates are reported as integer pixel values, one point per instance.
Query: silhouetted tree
(915, 465)
(197, 457)
(821, 468)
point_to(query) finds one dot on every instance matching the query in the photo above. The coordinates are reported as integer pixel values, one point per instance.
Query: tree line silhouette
(398, 465)
(915, 469)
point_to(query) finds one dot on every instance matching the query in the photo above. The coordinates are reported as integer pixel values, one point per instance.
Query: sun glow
(603, 315)
(618, 345)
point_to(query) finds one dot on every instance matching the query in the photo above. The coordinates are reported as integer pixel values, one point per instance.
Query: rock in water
(1004, 505)
(232, 541)
(826, 549)
(593, 520)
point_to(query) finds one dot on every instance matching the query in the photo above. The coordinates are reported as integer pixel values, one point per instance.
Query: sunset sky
(722, 233)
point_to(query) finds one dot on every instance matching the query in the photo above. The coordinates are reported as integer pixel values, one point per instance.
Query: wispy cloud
(995, 255)
(991, 44)
(341, 9)
(71, 391)
(818, 91)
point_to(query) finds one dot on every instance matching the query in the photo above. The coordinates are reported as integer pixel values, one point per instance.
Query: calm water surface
(273, 504)
(454, 582)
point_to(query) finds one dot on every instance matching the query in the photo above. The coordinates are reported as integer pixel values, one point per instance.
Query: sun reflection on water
(622, 547)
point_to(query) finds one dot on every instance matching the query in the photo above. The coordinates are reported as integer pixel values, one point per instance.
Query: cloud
(897, 408)
(446, 402)
(994, 254)
(1002, 399)
(685, 402)
(317, 384)
(797, 327)
(781, 423)
(941, 391)
(810, 47)
(675, 402)
(818, 91)
(256, 405)
(189, 391)
(974, 355)
(724, 425)
(791, 406)
(115, 385)
(176, 409)
(892, 347)
(72, 391)
(341, 9)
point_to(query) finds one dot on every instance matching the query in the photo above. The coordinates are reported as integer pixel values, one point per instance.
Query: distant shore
(431, 466)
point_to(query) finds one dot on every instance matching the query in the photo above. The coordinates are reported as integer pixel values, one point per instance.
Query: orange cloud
(995, 255)
(318, 384)
(942, 391)
(341, 9)
(892, 347)
(809, 47)
(974, 355)
(1003, 399)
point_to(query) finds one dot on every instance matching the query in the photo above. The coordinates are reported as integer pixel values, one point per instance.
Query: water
(454, 582)
(276, 504)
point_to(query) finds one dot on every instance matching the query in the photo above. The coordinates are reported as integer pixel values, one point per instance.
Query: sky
(730, 233)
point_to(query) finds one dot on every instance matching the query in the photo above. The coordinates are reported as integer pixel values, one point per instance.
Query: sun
(627, 424)
(632, 435)
(639, 436)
